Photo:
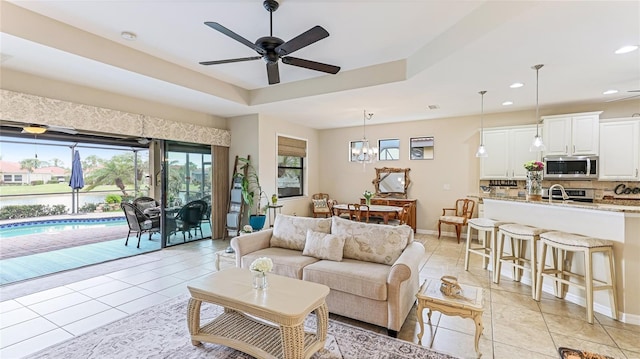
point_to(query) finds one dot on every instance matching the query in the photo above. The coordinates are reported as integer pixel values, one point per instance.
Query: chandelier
(365, 153)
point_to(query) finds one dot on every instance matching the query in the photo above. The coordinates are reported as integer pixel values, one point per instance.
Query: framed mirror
(421, 148)
(391, 182)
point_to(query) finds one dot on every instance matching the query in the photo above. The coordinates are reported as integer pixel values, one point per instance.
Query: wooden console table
(397, 202)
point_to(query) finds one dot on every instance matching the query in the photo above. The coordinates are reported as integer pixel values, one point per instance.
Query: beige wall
(270, 128)
(437, 183)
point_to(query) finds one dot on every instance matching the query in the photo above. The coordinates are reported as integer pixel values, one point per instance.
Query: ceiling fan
(36, 129)
(626, 97)
(271, 49)
(40, 129)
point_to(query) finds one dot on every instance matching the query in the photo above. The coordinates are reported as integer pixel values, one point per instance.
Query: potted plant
(250, 186)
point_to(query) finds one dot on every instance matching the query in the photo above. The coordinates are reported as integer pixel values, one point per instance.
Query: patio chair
(139, 222)
(147, 205)
(190, 217)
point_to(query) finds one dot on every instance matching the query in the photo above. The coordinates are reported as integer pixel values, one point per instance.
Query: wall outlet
(446, 187)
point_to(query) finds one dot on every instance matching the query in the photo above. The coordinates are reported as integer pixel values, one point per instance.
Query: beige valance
(288, 146)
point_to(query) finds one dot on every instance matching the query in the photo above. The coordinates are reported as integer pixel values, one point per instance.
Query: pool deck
(45, 242)
(30, 256)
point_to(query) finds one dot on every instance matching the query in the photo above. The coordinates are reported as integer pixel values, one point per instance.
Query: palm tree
(30, 164)
(119, 170)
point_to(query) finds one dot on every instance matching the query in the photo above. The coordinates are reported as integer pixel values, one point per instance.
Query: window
(17, 178)
(389, 150)
(422, 148)
(8, 178)
(291, 155)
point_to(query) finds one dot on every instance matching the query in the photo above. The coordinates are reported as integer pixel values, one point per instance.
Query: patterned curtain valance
(21, 107)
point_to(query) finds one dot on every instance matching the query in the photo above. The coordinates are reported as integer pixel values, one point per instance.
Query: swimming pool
(57, 225)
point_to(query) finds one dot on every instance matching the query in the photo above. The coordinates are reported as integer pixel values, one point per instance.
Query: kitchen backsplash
(618, 192)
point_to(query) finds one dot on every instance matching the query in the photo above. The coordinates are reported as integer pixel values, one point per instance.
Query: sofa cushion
(364, 279)
(291, 231)
(372, 242)
(324, 246)
(286, 262)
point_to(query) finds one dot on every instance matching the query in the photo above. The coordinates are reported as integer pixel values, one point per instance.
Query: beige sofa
(372, 269)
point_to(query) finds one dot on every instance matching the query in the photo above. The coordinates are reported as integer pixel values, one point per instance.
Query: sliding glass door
(187, 174)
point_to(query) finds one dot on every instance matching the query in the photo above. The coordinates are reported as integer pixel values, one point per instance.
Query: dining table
(376, 210)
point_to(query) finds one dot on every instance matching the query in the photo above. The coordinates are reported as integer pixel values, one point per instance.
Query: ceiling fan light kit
(34, 129)
(272, 49)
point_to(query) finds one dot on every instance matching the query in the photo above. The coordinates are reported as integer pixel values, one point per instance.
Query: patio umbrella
(76, 182)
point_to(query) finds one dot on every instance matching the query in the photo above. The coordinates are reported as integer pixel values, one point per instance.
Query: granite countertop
(595, 206)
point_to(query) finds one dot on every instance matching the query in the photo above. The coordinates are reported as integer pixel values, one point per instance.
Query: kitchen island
(620, 224)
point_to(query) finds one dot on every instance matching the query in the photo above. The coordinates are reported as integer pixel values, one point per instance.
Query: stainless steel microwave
(571, 167)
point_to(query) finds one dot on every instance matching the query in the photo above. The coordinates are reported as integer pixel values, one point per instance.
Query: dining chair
(458, 216)
(358, 212)
(403, 216)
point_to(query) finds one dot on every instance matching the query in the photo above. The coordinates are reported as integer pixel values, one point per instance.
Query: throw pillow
(324, 246)
(372, 242)
(291, 231)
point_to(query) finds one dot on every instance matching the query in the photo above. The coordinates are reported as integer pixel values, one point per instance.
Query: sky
(16, 152)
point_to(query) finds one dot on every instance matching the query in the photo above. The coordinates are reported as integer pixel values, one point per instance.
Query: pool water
(54, 226)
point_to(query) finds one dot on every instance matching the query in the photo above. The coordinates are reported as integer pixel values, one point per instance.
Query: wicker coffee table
(283, 306)
(469, 305)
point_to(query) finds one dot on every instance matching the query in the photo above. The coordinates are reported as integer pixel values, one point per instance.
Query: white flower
(367, 194)
(262, 264)
(247, 228)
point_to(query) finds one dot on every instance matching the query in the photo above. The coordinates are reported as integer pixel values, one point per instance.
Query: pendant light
(537, 145)
(482, 152)
(366, 153)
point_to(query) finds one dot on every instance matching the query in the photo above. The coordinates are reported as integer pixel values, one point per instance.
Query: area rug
(161, 332)
(568, 353)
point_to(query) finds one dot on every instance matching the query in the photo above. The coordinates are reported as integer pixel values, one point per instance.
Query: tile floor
(46, 311)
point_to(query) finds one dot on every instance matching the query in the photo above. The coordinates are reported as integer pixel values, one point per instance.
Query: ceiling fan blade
(272, 73)
(623, 98)
(67, 130)
(230, 60)
(305, 39)
(312, 65)
(233, 35)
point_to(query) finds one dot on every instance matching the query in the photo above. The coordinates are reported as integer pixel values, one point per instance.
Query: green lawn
(8, 190)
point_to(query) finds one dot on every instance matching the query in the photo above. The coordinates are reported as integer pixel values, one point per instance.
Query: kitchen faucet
(564, 193)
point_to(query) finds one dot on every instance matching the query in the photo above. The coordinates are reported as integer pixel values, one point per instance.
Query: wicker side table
(224, 257)
(469, 305)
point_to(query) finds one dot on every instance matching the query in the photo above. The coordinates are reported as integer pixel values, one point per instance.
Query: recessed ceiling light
(507, 103)
(433, 107)
(625, 49)
(610, 92)
(128, 35)
(516, 85)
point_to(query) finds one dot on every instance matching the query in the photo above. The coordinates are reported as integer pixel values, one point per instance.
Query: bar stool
(486, 250)
(568, 243)
(517, 234)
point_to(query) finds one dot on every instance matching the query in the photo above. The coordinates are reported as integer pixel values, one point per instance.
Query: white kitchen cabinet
(572, 134)
(508, 149)
(620, 150)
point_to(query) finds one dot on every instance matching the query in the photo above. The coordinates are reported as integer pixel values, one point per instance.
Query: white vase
(259, 279)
